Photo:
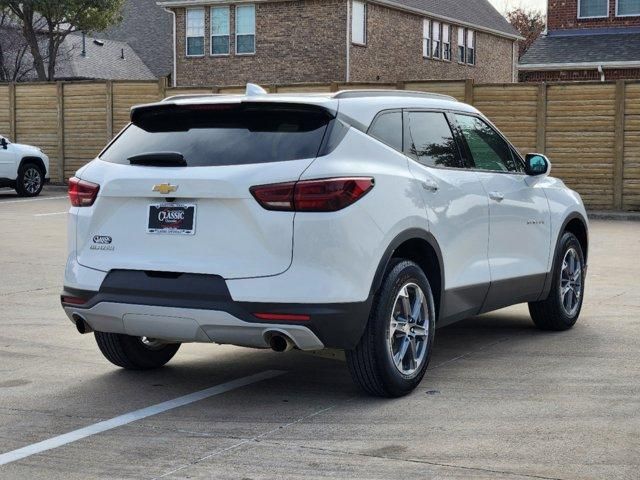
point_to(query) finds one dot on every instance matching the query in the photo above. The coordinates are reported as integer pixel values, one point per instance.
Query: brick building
(222, 42)
(586, 40)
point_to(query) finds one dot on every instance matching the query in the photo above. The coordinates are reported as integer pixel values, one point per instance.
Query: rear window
(217, 135)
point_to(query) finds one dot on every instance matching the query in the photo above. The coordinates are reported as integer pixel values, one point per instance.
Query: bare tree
(53, 21)
(530, 24)
(15, 64)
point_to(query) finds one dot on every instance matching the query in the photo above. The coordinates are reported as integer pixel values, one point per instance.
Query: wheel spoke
(406, 305)
(416, 311)
(419, 331)
(402, 352)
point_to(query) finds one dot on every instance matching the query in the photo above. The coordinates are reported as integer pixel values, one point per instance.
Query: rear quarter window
(218, 135)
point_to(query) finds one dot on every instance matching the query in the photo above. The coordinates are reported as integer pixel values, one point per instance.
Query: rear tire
(30, 180)
(378, 364)
(560, 311)
(134, 353)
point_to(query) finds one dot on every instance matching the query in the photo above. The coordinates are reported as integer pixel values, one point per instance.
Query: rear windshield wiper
(159, 159)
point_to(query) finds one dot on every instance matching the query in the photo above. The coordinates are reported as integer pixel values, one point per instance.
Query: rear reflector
(82, 193)
(283, 317)
(325, 195)
(73, 300)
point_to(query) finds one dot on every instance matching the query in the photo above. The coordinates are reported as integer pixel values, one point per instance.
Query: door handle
(430, 185)
(497, 196)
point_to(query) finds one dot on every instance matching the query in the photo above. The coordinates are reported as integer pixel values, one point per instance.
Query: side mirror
(537, 164)
(3, 143)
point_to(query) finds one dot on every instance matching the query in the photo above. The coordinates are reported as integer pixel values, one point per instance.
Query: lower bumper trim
(188, 325)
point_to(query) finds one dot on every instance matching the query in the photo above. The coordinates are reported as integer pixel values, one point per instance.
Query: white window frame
(255, 46)
(228, 34)
(467, 48)
(627, 15)
(446, 40)
(187, 36)
(580, 17)
(436, 42)
(362, 43)
(462, 44)
(426, 38)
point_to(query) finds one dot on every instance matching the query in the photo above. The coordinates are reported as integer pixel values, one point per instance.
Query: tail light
(82, 193)
(326, 195)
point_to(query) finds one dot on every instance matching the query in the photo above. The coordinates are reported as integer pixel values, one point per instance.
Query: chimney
(122, 54)
(84, 45)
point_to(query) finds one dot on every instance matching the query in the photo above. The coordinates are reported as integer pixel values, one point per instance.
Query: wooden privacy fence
(591, 131)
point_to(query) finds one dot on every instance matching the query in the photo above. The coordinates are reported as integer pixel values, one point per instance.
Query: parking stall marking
(127, 418)
(41, 199)
(50, 214)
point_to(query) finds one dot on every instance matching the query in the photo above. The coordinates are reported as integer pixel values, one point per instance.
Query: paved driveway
(501, 400)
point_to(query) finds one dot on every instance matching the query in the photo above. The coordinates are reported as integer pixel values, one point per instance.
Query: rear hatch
(174, 189)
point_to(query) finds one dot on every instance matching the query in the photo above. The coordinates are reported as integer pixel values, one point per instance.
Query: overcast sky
(504, 5)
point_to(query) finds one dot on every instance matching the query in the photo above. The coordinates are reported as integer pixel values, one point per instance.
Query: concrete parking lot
(501, 400)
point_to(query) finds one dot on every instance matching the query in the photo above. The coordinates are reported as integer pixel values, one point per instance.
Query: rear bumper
(187, 325)
(199, 308)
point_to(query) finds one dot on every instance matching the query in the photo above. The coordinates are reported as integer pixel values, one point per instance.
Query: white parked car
(23, 168)
(358, 220)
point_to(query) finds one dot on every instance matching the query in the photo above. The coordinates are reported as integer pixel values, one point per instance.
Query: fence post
(541, 115)
(618, 166)
(162, 87)
(468, 91)
(109, 100)
(12, 112)
(61, 152)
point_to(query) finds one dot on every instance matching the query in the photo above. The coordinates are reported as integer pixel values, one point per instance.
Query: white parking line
(50, 214)
(121, 420)
(32, 200)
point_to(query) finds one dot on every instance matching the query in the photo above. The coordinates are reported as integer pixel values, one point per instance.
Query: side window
(431, 140)
(488, 149)
(387, 128)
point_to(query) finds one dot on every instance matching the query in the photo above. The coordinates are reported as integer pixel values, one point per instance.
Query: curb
(614, 215)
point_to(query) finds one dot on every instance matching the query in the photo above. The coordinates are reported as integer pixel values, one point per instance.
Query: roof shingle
(474, 12)
(586, 48)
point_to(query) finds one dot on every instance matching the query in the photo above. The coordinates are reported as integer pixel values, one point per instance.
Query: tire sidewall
(145, 357)
(567, 242)
(399, 275)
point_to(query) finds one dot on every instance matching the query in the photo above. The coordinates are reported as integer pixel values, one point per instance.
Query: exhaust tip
(81, 324)
(280, 343)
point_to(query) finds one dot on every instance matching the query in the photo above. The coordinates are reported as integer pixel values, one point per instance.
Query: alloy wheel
(409, 330)
(32, 180)
(571, 282)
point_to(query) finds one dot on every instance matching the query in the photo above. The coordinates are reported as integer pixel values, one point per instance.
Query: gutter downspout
(348, 79)
(174, 76)
(601, 72)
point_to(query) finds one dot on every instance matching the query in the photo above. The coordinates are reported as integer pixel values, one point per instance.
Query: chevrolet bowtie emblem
(165, 188)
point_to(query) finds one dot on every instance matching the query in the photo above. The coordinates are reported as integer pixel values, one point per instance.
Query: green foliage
(83, 15)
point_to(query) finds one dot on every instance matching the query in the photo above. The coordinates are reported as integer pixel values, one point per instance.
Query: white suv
(23, 168)
(358, 220)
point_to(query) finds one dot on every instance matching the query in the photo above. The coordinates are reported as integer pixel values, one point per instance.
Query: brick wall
(563, 14)
(305, 41)
(296, 41)
(394, 52)
(579, 75)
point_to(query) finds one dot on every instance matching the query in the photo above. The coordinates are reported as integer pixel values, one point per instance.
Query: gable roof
(103, 60)
(109, 61)
(475, 13)
(148, 28)
(478, 14)
(589, 49)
